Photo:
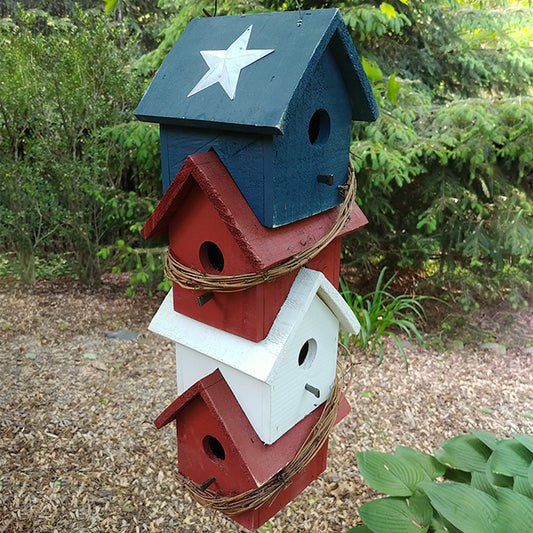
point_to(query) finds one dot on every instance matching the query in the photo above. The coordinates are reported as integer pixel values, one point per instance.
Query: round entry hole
(307, 353)
(319, 126)
(213, 448)
(211, 257)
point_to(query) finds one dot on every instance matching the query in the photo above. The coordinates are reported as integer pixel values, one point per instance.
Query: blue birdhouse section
(274, 96)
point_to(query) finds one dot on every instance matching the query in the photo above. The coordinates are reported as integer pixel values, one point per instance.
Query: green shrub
(70, 185)
(146, 265)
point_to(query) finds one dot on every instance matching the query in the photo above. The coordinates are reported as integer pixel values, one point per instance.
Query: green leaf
(498, 480)
(110, 5)
(389, 474)
(460, 476)
(427, 462)
(523, 486)
(467, 508)
(359, 529)
(511, 458)
(439, 525)
(89, 355)
(388, 10)
(525, 440)
(489, 439)
(480, 481)
(30, 355)
(372, 72)
(393, 88)
(127, 506)
(515, 511)
(464, 452)
(401, 515)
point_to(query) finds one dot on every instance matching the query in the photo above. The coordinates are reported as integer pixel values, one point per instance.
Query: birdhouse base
(255, 518)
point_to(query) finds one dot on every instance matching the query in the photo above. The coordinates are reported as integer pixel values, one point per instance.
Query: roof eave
(261, 129)
(352, 71)
(338, 306)
(159, 220)
(198, 389)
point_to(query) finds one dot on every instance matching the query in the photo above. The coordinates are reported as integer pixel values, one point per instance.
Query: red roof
(221, 403)
(263, 247)
(201, 388)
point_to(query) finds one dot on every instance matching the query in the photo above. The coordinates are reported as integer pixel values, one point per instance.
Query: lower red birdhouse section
(216, 440)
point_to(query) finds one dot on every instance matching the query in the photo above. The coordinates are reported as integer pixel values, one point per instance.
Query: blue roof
(266, 86)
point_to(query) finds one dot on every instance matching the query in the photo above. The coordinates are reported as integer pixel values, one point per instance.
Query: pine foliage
(445, 173)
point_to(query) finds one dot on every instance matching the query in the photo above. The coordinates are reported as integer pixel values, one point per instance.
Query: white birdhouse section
(281, 379)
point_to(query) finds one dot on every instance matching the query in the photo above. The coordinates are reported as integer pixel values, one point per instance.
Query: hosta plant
(474, 483)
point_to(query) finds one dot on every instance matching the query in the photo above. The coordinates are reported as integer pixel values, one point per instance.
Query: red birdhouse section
(211, 228)
(215, 440)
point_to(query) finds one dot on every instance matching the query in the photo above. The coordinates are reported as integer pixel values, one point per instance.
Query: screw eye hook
(299, 23)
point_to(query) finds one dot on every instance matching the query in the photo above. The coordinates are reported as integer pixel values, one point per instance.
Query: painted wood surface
(277, 150)
(215, 439)
(269, 377)
(212, 228)
(272, 81)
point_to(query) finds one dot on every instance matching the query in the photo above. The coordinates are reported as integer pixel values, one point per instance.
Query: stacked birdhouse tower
(255, 116)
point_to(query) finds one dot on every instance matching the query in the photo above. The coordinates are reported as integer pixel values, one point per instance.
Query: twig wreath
(192, 279)
(256, 498)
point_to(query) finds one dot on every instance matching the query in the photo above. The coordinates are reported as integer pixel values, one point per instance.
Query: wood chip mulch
(79, 451)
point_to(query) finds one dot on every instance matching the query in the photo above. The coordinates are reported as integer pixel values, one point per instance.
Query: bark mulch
(79, 451)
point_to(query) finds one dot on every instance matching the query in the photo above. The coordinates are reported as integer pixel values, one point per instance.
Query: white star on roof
(225, 65)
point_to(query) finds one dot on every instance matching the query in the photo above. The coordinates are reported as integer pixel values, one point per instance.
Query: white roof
(255, 358)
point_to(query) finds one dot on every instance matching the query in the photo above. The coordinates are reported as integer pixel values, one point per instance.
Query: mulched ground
(79, 451)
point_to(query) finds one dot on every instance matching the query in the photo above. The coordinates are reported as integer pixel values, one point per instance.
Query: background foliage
(445, 174)
(69, 185)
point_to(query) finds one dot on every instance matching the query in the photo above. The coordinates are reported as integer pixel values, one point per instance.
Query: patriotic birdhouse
(219, 450)
(274, 95)
(284, 377)
(212, 229)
